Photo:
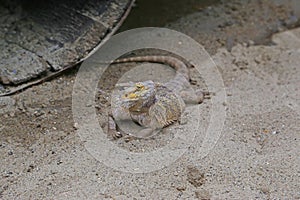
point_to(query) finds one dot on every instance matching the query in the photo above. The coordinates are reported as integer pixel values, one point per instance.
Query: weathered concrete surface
(235, 21)
(39, 37)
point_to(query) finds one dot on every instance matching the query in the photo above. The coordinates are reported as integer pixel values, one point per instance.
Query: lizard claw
(112, 129)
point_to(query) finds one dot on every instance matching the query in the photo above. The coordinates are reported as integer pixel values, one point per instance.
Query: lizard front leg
(112, 128)
(115, 133)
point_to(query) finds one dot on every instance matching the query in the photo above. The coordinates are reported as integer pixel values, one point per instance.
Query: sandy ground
(257, 155)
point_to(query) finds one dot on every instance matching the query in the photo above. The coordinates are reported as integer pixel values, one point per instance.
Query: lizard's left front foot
(194, 97)
(201, 95)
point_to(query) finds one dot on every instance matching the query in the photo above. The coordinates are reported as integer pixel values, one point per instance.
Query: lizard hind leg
(194, 97)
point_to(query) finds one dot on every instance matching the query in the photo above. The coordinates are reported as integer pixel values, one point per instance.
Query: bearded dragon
(154, 105)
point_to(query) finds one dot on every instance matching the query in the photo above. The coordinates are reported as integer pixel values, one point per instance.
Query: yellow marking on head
(132, 96)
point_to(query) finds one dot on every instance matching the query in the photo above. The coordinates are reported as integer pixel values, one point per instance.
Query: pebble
(202, 194)
(75, 126)
(181, 188)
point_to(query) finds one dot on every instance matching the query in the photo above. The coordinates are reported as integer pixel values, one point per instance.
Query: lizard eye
(139, 86)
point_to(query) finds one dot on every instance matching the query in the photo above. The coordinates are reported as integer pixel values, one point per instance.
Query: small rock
(181, 188)
(251, 42)
(202, 194)
(265, 190)
(75, 126)
(195, 177)
(5, 80)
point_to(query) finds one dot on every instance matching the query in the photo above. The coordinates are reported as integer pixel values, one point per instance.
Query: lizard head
(138, 94)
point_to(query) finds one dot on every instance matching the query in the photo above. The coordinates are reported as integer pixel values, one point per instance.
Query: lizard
(154, 105)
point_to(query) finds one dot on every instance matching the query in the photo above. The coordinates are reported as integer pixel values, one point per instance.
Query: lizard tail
(177, 64)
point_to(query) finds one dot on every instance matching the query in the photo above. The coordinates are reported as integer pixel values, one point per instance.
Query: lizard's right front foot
(114, 134)
(112, 129)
